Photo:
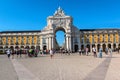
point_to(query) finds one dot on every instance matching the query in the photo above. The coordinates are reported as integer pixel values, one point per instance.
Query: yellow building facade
(107, 38)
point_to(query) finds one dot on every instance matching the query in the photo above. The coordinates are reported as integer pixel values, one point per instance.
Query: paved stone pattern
(114, 68)
(65, 67)
(22, 72)
(73, 67)
(7, 71)
(99, 73)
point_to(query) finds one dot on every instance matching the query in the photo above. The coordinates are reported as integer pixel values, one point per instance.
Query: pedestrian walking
(17, 52)
(100, 52)
(86, 51)
(110, 51)
(106, 51)
(83, 51)
(8, 53)
(80, 52)
(51, 53)
(94, 52)
(69, 52)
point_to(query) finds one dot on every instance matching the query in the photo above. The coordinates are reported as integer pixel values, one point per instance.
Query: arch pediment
(58, 28)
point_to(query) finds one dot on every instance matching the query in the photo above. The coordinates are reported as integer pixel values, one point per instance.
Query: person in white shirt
(94, 52)
(51, 53)
(8, 53)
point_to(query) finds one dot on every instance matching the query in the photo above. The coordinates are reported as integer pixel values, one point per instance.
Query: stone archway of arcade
(114, 46)
(3, 48)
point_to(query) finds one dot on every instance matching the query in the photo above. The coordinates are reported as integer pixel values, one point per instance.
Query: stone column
(3, 49)
(106, 45)
(14, 47)
(52, 39)
(112, 46)
(41, 44)
(116, 45)
(101, 45)
(49, 43)
(35, 46)
(79, 45)
(83, 40)
(70, 43)
(46, 43)
(91, 48)
(67, 42)
(73, 43)
(29, 46)
(96, 48)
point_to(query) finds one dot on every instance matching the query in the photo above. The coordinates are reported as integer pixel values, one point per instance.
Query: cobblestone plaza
(61, 67)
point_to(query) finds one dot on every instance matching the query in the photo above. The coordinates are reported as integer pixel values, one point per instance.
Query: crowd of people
(19, 52)
(27, 52)
(35, 52)
(99, 53)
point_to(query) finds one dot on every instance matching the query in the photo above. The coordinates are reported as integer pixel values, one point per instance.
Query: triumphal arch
(60, 21)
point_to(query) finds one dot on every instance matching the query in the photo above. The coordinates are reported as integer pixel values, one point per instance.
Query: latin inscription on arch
(59, 22)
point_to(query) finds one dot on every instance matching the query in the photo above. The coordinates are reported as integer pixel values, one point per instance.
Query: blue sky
(32, 14)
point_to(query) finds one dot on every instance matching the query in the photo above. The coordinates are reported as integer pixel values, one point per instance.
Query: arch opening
(109, 45)
(104, 47)
(114, 47)
(88, 46)
(60, 38)
(76, 48)
(98, 47)
(119, 46)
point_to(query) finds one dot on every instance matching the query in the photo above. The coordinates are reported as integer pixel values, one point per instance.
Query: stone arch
(114, 47)
(6, 47)
(57, 46)
(44, 47)
(60, 21)
(98, 47)
(16, 47)
(109, 45)
(11, 47)
(88, 46)
(76, 47)
(59, 28)
(82, 47)
(1, 47)
(104, 47)
(37, 47)
(27, 47)
(32, 47)
(22, 46)
(93, 45)
(118, 46)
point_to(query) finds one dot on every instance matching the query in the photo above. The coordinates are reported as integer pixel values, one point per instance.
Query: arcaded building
(74, 38)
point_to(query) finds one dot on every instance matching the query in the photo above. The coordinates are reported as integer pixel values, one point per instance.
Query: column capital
(68, 36)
